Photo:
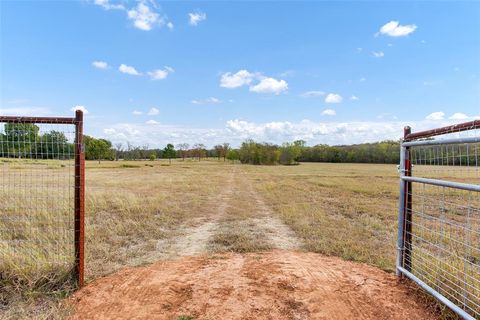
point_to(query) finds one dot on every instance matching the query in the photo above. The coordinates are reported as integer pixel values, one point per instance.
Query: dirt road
(197, 279)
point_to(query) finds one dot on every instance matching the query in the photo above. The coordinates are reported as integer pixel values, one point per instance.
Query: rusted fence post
(79, 200)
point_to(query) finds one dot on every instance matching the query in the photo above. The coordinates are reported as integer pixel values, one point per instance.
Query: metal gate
(439, 214)
(42, 181)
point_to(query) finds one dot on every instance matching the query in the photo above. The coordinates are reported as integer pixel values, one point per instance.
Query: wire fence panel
(439, 216)
(40, 198)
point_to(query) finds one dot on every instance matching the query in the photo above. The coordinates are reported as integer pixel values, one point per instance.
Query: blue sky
(152, 72)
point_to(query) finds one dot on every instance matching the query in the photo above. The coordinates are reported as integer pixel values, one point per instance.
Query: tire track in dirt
(278, 234)
(238, 208)
(194, 240)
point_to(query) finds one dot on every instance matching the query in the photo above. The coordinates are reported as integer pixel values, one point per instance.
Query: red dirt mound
(270, 285)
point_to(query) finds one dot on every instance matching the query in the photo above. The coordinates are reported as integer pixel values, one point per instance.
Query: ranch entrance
(188, 240)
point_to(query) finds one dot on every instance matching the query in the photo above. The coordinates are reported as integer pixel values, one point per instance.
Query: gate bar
(442, 183)
(475, 124)
(462, 313)
(441, 142)
(59, 120)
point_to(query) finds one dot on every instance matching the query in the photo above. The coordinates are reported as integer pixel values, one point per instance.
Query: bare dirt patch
(272, 285)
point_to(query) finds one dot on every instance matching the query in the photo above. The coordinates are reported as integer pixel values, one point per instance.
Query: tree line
(25, 141)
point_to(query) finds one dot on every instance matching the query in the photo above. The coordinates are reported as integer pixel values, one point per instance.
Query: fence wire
(442, 237)
(37, 192)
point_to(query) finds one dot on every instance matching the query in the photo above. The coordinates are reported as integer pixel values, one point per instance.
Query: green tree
(54, 145)
(20, 139)
(98, 149)
(232, 155)
(169, 152)
(289, 153)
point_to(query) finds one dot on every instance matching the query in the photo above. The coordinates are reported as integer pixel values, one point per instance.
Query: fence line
(42, 174)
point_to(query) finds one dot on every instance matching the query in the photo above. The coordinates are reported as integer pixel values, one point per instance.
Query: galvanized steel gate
(439, 214)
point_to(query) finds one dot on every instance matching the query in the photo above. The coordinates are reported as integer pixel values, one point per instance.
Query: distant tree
(153, 156)
(98, 149)
(144, 154)
(54, 145)
(183, 150)
(289, 152)
(232, 155)
(252, 152)
(20, 139)
(218, 150)
(199, 150)
(118, 150)
(225, 150)
(21, 132)
(169, 152)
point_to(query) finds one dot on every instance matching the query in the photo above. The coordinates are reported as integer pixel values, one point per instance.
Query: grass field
(139, 212)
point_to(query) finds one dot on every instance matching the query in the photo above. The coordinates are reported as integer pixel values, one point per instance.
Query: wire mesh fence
(39, 197)
(439, 238)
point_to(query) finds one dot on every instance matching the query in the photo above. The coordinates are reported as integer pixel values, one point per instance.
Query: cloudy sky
(153, 72)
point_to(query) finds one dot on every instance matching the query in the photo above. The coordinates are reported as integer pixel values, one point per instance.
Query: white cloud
(333, 98)
(128, 70)
(363, 79)
(378, 54)
(244, 78)
(160, 74)
(100, 64)
(458, 116)
(137, 113)
(153, 112)
(107, 5)
(354, 98)
(359, 50)
(197, 17)
(24, 111)
(329, 112)
(310, 94)
(143, 17)
(241, 78)
(236, 131)
(81, 108)
(435, 116)
(211, 100)
(394, 29)
(170, 25)
(270, 85)
(152, 122)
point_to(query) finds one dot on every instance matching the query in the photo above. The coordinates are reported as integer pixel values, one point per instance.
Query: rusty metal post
(79, 200)
(408, 206)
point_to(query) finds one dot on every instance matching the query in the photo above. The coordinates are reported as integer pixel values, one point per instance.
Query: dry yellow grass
(135, 210)
(348, 210)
